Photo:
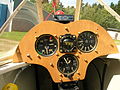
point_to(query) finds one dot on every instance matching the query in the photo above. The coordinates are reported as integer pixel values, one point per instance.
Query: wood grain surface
(26, 47)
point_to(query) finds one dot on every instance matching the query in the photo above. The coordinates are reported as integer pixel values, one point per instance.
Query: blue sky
(73, 2)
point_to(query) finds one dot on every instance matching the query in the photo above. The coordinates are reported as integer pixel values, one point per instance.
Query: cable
(17, 75)
(48, 16)
(54, 5)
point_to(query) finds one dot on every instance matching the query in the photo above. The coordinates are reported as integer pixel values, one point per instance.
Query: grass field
(16, 36)
(8, 40)
(117, 42)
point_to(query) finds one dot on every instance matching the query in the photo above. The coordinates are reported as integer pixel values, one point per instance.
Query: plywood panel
(105, 46)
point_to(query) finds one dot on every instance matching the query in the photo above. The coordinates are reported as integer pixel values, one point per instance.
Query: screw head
(86, 60)
(36, 37)
(61, 80)
(74, 36)
(96, 52)
(57, 54)
(61, 50)
(76, 55)
(60, 75)
(55, 35)
(60, 36)
(112, 45)
(97, 34)
(39, 56)
(78, 73)
(66, 28)
(51, 64)
(28, 55)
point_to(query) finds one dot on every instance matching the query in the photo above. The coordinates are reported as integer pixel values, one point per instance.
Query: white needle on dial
(63, 69)
(69, 61)
(46, 48)
(65, 60)
(80, 41)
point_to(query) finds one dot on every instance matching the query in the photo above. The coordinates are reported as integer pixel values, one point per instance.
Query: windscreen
(17, 17)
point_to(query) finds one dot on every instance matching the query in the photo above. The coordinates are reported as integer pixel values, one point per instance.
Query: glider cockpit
(65, 50)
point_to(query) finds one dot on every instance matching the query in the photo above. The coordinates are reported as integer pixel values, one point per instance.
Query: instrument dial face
(67, 43)
(68, 64)
(87, 41)
(46, 45)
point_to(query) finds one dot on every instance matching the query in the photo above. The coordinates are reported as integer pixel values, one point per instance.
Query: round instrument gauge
(46, 45)
(87, 41)
(67, 43)
(68, 64)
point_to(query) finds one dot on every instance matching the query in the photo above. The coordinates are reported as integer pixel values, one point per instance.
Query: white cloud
(68, 2)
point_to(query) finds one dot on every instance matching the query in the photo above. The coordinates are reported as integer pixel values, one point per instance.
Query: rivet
(28, 55)
(73, 36)
(60, 75)
(112, 45)
(51, 65)
(76, 55)
(61, 80)
(79, 51)
(97, 34)
(57, 54)
(36, 37)
(78, 73)
(86, 60)
(61, 50)
(55, 35)
(66, 28)
(60, 37)
(39, 56)
(96, 52)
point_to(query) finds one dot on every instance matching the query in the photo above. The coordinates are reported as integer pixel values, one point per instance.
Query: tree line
(94, 12)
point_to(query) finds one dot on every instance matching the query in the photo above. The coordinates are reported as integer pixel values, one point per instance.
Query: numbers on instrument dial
(46, 45)
(68, 64)
(87, 41)
(68, 43)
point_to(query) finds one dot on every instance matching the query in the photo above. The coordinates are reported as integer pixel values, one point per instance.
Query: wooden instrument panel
(26, 50)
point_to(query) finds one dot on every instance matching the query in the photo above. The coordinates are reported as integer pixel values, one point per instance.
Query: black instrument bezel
(44, 35)
(62, 47)
(68, 74)
(96, 42)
